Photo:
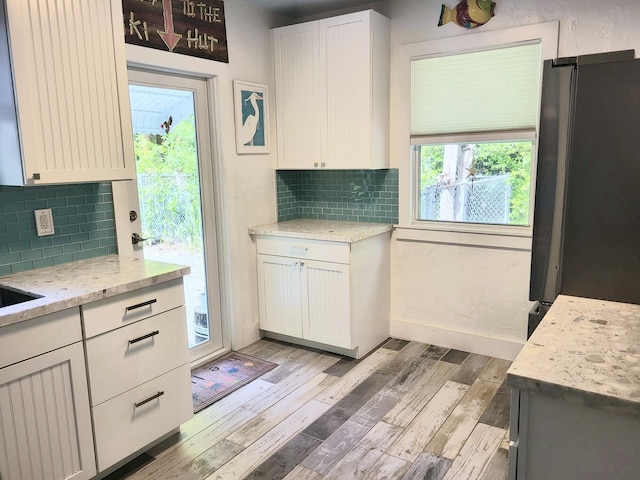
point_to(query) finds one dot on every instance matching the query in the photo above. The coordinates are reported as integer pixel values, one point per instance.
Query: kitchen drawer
(337, 252)
(122, 427)
(124, 358)
(39, 335)
(114, 312)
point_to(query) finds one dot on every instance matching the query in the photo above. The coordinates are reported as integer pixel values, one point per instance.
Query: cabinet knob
(315, 164)
(322, 165)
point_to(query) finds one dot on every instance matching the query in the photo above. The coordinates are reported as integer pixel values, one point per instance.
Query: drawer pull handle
(144, 337)
(140, 305)
(147, 400)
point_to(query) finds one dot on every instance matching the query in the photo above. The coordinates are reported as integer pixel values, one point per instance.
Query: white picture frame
(251, 117)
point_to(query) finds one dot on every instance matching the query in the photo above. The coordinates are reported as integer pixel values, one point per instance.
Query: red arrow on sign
(169, 37)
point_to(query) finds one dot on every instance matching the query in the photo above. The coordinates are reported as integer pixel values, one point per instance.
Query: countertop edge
(43, 306)
(353, 231)
(572, 395)
(583, 352)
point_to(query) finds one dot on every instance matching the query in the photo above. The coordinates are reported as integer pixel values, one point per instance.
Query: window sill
(489, 236)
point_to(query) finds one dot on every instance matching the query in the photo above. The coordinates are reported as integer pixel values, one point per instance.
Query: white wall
(476, 298)
(248, 180)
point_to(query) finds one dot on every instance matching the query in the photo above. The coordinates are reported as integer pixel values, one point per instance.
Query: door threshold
(209, 358)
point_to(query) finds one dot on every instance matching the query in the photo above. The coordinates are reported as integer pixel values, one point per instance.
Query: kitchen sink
(11, 296)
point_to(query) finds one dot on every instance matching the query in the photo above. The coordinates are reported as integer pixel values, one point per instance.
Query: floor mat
(219, 378)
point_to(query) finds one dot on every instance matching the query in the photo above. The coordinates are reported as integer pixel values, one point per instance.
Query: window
(480, 182)
(473, 124)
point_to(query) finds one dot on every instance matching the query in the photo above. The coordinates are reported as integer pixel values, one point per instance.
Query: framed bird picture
(250, 104)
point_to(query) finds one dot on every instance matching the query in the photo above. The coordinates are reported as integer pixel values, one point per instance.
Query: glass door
(175, 192)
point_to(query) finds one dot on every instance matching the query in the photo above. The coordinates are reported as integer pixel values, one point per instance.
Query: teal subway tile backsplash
(84, 223)
(350, 195)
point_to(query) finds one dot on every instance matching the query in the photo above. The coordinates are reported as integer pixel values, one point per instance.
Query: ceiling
(305, 8)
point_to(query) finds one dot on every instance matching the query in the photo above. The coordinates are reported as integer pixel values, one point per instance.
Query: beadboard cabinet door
(298, 96)
(332, 92)
(280, 294)
(305, 299)
(327, 304)
(332, 295)
(69, 79)
(46, 429)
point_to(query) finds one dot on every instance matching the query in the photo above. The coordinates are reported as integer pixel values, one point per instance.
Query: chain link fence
(483, 200)
(170, 208)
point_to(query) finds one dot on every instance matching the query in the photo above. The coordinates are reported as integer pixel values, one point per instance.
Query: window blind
(483, 91)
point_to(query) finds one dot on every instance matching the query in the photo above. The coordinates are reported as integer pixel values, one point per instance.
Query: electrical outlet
(44, 222)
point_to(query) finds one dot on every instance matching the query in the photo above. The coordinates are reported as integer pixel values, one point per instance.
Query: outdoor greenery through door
(172, 143)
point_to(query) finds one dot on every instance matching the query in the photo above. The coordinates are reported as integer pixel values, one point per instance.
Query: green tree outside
(170, 193)
(513, 158)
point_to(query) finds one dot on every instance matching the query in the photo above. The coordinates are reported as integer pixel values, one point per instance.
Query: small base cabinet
(45, 422)
(333, 295)
(138, 367)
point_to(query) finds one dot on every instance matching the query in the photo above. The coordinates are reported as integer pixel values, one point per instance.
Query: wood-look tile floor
(406, 411)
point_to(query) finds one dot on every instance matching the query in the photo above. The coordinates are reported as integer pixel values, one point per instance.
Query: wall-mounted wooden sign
(190, 27)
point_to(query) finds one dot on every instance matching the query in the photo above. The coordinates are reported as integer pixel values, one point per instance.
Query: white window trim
(501, 236)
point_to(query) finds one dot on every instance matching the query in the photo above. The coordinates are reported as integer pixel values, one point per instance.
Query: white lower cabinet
(333, 295)
(45, 422)
(138, 368)
(121, 363)
(305, 299)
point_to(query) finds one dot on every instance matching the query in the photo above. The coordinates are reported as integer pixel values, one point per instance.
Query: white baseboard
(250, 334)
(469, 342)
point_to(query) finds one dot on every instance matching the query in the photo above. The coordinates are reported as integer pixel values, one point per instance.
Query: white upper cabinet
(64, 105)
(332, 93)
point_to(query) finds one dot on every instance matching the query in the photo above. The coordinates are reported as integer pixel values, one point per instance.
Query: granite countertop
(328, 230)
(76, 283)
(584, 351)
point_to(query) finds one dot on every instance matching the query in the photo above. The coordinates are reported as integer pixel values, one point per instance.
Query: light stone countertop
(75, 283)
(328, 230)
(584, 351)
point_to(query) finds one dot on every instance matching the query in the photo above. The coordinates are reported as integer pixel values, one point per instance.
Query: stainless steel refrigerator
(586, 229)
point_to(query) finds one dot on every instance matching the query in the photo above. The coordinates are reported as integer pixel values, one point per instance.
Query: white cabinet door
(345, 60)
(44, 412)
(327, 303)
(298, 87)
(70, 80)
(280, 294)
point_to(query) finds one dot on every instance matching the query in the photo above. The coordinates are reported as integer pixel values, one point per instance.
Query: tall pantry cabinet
(64, 102)
(332, 92)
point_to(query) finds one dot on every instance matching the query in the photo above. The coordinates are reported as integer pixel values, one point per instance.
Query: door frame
(214, 226)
